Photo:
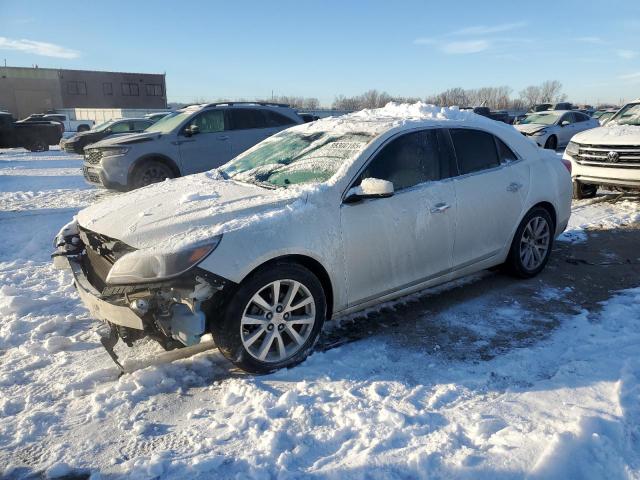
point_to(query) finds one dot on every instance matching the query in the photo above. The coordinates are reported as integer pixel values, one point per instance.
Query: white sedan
(554, 128)
(318, 221)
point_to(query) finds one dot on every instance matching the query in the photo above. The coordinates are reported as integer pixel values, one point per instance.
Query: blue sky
(323, 48)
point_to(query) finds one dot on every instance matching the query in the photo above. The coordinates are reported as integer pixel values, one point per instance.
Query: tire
(150, 171)
(526, 260)
(38, 146)
(551, 143)
(584, 190)
(83, 128)
(249, 334)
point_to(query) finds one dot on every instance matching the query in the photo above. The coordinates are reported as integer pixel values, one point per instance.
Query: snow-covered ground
(562, 404)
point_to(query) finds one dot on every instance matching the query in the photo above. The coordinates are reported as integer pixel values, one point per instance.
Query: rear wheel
(273, 319)
(151, 171)
(551, 143)
(531, 244)
(38, 146)
(584, 190)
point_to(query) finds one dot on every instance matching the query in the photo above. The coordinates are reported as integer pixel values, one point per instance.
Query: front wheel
(584, 190)
(531, 244)
(38, 146)
(149, 172)
(273, 320)
(551, 143)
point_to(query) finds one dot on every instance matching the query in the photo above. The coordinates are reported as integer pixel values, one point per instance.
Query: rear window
(275, 119)
(246, 118)
(475, 150)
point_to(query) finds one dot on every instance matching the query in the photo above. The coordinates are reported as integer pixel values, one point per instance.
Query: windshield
(169, 123)
(628, 115)
(293, 157)
(546, 118)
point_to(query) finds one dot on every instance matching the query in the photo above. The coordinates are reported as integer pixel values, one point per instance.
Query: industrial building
(24, 91)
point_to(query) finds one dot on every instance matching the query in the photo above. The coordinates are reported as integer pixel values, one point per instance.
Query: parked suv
(191, 140)
(116, 126)
(609, 155)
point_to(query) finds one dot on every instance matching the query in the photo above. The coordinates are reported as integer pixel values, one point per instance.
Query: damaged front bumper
(173, 312)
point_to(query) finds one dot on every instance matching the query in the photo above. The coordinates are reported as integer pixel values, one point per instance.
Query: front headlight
(113, 151)
(540, 132)
(573, 149)
(147, 265)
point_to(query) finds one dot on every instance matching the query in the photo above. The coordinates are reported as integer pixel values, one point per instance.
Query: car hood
(530, 127)
(182, 211)
(610, 135)
(115, 140)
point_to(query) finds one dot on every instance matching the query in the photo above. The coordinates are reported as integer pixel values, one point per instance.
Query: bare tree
(530, 95)
(551, 92)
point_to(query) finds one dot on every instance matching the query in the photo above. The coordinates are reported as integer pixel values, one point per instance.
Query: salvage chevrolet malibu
(320, 220)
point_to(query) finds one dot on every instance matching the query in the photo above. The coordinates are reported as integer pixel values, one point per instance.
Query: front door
(207, 149)
(396, 242)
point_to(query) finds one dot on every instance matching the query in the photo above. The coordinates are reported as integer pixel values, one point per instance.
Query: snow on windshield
(628, 115)
(293, 157)
(547, 118)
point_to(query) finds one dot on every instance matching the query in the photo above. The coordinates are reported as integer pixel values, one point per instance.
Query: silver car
(191, 140)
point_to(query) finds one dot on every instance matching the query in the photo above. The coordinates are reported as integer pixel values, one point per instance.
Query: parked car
(35, 136)
(154, 117)
(498, 115)
(118, 126)
(540, 107)
(69, 125)
(320, 220)
(563, 106)
(607, 156)
(554, 128)
(191, 140)
(308, 117)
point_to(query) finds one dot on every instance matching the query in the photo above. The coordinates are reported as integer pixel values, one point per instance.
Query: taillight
(567, 164)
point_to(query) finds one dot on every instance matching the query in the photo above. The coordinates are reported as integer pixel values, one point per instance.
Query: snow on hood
(169, 215)
(610, 134)
(530, 127)
(126, 138)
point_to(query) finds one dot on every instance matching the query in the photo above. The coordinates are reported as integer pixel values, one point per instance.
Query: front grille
(618, 156)
(101, 254)
(90, 175)
(93, 156)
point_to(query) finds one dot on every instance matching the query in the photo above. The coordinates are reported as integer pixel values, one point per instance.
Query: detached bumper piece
(170, 312)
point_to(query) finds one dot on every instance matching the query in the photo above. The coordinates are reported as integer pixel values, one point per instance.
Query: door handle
(440, 207)
(514, 187)
(223, 137)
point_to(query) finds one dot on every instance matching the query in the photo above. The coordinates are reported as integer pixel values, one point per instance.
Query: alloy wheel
(534, 243)
(277, 321)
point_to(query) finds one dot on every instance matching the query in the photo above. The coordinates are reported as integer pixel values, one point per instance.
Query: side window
(122, 127)
(505, 153)
(475, 150)
(275, 119)
(580, 117)
(211, 121)
(246, 118)
(567, 117)
(411, 159)
(140, 125)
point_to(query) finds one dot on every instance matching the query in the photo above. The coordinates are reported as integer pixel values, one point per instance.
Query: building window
(107, 88)
(130, 89)
(76, 88)
(154, 89)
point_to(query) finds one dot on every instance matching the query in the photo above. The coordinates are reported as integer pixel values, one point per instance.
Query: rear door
(249, 126)
(490, 193)
(393, 243)
(207, 149)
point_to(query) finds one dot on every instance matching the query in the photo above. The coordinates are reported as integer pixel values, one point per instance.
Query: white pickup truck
(69, 125)
(608, 155)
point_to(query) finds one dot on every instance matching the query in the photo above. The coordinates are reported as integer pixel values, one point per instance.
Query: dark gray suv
(194, 139)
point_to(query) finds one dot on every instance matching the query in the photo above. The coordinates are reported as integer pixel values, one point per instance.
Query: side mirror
(191, 130)
(564, 123)
(370, 188)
